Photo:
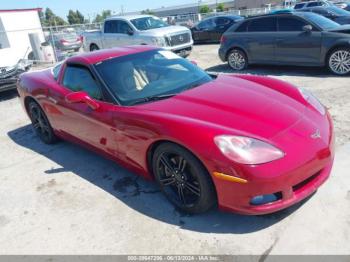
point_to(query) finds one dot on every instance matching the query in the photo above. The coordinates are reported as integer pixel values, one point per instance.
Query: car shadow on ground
(8, 94)
(139, 194)
(267, 70)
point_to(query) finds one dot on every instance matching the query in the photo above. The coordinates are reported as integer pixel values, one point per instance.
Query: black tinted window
(290, 24)
(222, 21)
(209, 23)
(299, 6)
(123, 27)
(267, 24)
(243, 27)
(78, 78)
(111, 27)
(315, 4)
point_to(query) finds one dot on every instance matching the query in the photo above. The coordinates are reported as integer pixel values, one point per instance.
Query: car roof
(127, 17)
(224, 16)
(91, 58)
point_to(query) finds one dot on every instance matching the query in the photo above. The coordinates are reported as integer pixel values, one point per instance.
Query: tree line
(49, 18)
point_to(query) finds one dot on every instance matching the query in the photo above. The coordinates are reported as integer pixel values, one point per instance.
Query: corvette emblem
(316, 135)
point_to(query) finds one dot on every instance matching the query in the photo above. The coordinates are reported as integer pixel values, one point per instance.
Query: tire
(94, 47)
(338, 61)
(183, 179)
(41, 124)
(237, 60)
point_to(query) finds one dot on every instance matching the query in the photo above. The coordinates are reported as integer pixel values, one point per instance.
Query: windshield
(320, 21)
(142, 76)
(146, 23)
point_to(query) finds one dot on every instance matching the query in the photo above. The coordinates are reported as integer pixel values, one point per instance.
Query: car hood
(236, 105)
(169, 30)
(341, 29)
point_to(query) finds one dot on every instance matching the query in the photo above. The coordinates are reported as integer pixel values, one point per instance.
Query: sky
(90, 7)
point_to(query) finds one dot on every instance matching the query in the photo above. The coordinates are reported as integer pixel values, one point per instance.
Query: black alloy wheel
(183, 179)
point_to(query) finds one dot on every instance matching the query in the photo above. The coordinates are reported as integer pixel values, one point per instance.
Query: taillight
(222, 39)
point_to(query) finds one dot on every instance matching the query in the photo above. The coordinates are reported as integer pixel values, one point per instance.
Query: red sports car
(248, 144)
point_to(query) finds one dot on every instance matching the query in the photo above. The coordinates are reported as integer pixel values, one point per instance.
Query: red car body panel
(259, 107)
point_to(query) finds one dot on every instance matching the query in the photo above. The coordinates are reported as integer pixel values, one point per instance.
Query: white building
(15, 27)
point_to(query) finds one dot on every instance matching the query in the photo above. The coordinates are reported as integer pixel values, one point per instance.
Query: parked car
(250, 144)
(140, 30)
(67, 41)
(10, 74)
(211, 29)
(334, 13)
(343, 5)
(294, 38)
(308, 4)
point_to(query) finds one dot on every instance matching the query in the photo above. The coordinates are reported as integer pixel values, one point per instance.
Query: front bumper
(8, 81)
(293, 178)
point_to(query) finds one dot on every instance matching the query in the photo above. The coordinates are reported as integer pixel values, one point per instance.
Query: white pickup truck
(139, 30)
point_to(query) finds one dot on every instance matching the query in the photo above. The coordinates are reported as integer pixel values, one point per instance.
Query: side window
(287, 24)
(206, 24)
(243, 27)
(111, 27)
(56, 71)
(78, 78)
(267, 24)
(312, 4)
(123, 27)
(222, 21)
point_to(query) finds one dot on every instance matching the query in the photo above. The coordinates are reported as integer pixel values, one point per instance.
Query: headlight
(159, 41)
(246, 150)
(312, 100)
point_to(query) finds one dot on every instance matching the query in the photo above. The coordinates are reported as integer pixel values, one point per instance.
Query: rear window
(243, 27)
(267, 24)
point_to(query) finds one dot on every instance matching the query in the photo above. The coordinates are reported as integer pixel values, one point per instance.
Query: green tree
(204, 9)
(75, 17)
(220, 7)
(100, 17)
(50, 19)
(147, 12)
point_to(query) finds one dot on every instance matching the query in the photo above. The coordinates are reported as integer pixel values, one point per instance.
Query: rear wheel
(339, 61)
(237, 60)
(94, 47)
(183, 179)
(41, 124)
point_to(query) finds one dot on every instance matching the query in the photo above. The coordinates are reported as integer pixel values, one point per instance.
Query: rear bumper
(222, 54)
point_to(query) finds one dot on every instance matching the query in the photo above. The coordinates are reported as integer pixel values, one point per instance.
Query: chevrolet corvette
(245, 143)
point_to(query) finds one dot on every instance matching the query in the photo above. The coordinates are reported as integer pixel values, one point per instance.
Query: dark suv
(291, 38)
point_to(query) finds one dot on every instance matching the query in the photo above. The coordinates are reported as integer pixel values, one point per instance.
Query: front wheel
(94, 47)
(183, 179)
(237, 60)
(339, 61)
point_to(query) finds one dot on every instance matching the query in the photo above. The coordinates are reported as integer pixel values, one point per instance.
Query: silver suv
(140, 30)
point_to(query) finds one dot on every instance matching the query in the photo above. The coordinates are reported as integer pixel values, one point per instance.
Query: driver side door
(80, 122)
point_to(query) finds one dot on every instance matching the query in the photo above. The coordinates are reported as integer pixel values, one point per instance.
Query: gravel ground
(332, 91)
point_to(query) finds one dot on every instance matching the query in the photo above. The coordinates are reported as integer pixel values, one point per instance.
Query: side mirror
(82, 97)
(307, 28)
(130, 31)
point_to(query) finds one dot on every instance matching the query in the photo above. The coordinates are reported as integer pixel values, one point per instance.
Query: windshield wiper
(151, 98)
